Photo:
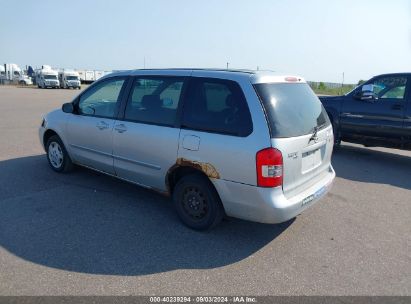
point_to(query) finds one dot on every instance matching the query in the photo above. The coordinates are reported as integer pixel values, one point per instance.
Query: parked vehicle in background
(12, 72)
(69, 79)
(89, 76)
(46, 77)
(2, 74)
(377, 113)
(25, 80)
(86, 76)
(252, 145)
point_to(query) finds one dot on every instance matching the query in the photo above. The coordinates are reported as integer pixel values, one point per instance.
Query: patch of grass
(324, 90)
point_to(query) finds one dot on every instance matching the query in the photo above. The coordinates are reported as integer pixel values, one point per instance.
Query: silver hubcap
(55, 155)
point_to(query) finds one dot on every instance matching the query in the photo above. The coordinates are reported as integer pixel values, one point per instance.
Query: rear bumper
(269, 205)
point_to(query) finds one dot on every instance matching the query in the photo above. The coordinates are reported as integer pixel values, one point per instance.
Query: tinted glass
(50, 77)
(154, 100)
(292, 109)
(390, 87)
(71, 77)
(218, 106)
(101, 99)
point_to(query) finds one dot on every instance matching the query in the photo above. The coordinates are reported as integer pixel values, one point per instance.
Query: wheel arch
(51, 132)
(185, 167)
(176, 172)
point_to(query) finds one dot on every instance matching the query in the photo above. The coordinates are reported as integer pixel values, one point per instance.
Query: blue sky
(316, 39)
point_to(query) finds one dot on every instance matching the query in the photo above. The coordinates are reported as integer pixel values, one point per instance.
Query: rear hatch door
(300, 129)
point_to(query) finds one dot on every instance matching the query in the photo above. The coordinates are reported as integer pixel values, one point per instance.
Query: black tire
(58, 162)
(197, 202)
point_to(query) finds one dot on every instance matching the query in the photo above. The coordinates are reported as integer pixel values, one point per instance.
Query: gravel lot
(88, 234)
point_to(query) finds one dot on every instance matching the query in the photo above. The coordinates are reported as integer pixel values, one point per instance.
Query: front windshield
(50, 77)
(72, 77)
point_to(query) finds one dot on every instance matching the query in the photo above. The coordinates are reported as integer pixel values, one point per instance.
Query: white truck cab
(69, 79)
(46, 77)
(12, 72)
(2, 74)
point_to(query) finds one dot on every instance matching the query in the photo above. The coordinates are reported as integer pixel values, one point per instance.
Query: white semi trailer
(69, 79)
(89, 76)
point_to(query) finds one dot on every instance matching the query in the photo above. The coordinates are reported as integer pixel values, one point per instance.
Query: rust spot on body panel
(206, 168)
(182, 163)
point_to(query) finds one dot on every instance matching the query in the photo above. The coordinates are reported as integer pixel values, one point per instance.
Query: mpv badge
(293, 155)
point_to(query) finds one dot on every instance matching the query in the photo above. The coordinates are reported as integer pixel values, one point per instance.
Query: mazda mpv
(247, 144)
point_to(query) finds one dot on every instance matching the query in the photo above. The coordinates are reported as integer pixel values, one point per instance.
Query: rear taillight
(269, 163)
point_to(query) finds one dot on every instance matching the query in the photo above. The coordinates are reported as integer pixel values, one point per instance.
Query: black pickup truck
(377, 113)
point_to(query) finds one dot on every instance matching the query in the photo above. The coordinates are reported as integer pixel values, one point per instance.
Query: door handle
(121, 128)
(397, 107)
(102, 125)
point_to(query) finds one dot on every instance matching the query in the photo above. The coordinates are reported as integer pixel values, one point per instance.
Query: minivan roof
(253, 76)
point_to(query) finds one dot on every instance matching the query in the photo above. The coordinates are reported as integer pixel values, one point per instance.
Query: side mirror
(368, 96)
(366, 93)
(68, 108)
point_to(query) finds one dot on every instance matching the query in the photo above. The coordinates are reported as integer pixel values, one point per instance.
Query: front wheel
(57, 156)
(197, 202)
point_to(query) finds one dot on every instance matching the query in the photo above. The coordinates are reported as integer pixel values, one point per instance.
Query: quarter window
(102, 99)
(215, 105)
(154, 100)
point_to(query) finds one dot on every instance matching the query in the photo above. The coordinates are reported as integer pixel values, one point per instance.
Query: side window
(154, 100)
(101, 100)
(218, 106)
(392, 87)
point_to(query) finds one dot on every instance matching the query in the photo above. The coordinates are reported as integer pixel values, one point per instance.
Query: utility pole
(227, 65)
(342, 83)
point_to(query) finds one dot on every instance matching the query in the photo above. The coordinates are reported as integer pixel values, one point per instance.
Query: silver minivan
(247, 144)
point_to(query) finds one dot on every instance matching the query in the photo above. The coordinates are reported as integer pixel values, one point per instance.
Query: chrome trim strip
(372, 117)
(352, 115)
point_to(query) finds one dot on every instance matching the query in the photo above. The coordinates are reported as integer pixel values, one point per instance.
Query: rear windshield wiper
(315, 131)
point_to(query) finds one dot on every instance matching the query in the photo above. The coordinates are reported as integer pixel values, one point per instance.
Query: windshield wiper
(315, 131)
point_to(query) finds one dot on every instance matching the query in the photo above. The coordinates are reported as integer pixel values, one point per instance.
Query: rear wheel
(197, 202)
(57, 155)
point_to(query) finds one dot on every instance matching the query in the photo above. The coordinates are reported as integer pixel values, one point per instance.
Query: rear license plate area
(311, 160)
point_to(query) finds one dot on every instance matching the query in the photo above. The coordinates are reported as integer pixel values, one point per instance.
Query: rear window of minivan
(292, 109)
